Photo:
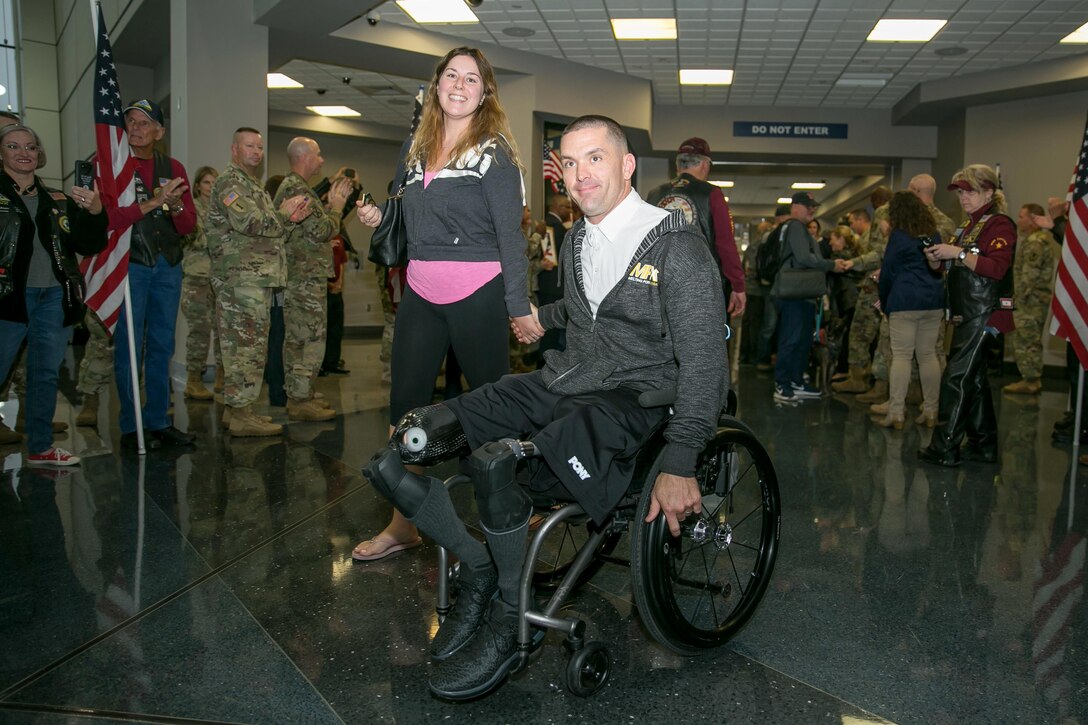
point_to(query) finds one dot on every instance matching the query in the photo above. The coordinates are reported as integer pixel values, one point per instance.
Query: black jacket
(64, 228)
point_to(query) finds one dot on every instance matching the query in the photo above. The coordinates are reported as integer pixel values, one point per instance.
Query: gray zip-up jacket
(661, 326)
(471, 212)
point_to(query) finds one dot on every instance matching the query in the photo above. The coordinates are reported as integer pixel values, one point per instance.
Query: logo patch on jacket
(63, 221)
(682, 202)
(644, 274)
(578, 468)
(230, 198)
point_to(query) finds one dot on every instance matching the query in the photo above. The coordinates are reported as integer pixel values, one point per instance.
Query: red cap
(966, 186)
(696, 146)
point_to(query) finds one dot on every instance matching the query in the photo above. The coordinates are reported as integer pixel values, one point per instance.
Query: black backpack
(769, 256)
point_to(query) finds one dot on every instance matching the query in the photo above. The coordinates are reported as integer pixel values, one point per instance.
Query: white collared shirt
(608, 247)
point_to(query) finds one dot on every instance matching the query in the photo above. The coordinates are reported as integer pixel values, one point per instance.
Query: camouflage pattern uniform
(389, 314)
(866, 324)
(309, 265)
(246, 243)
(1033, 281)
(197, 298)
(96, 368)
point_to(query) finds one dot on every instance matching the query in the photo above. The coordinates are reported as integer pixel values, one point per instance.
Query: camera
(928, 242)
(373, 18)
(320, 91)
(346, 80)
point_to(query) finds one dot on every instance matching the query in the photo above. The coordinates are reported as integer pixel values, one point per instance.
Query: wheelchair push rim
(698, 590)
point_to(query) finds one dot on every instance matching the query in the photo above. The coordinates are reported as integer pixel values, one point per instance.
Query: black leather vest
(692, 196)
(154, 234)
(972, 295)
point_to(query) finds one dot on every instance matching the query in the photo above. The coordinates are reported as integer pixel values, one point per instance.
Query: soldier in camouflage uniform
(309, 265)
(95, 369)
(197, 298)
(1033, 280)
(245, 234)
(534, 235)
(866, 323)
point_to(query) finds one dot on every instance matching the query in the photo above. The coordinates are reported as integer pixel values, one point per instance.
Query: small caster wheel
(588, 669)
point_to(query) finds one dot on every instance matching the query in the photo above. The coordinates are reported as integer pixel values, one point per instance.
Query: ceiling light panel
(438, 11)
(903, 30)
(1080, 35)
(644, 28)
(279, 80)
(334, 111)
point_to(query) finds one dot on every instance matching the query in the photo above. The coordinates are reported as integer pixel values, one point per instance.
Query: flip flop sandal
(390, 548)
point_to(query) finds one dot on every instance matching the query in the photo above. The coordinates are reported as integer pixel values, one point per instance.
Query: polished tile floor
(217, 585)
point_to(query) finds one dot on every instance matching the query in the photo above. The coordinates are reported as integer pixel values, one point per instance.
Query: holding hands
(527, 328)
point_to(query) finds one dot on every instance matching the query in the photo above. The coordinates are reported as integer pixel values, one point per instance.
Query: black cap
(782, 210)
(149, 109)
(806, 198)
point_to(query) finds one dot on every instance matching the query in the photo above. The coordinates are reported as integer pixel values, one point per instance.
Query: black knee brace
(405, 489)
(429, 435)
(501, 502)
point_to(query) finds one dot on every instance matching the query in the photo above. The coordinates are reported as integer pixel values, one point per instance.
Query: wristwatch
(962, 255)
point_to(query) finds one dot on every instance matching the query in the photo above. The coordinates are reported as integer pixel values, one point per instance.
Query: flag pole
(1077, 422)
(135, 376)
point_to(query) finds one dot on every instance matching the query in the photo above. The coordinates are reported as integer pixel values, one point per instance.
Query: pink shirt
(442, 282)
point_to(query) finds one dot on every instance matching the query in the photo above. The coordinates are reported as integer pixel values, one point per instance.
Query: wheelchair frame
(589, 666)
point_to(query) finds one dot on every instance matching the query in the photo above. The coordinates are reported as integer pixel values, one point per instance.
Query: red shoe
(53, 457)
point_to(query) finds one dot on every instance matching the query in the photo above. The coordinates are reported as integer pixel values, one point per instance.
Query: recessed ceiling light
(723, 184)
(808, 185)
(785, 200)
(335, 111)
(900, 30)
(1080, 35)
(438, 11)
(862, 80)
(517, 32)
(705, 77)
(644, 28)
(279, 80)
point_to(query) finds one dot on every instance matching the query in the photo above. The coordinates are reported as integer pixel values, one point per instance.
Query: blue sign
(789, 129)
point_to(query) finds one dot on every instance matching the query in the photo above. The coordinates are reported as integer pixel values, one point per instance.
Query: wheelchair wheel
(558, 552)
(696, 591)
(588, 669)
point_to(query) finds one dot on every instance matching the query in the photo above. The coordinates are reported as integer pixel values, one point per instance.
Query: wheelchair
(693, 592)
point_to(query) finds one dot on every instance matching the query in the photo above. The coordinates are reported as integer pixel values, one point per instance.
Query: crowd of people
(916, 308)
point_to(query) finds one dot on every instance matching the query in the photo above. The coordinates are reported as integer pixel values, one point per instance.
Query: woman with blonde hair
(977, 264)
(467, 267)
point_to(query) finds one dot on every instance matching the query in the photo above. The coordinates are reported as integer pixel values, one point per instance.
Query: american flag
(106, 271)
(1070, 306)
(1058, 591)
(553, 172)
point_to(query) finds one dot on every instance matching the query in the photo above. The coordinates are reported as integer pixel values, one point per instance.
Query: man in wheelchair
(643, 311)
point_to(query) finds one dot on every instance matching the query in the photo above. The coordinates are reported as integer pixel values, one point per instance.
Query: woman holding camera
(467, 267)
(41, 288)
(978, 265)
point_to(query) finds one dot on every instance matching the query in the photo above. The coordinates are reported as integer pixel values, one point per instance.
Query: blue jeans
(796, 320)
(156, 292)
(47, 338)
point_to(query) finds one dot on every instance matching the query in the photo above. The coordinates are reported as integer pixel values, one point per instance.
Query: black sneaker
(171, 436)
(477, 589)
(130, 442)
(484, 663)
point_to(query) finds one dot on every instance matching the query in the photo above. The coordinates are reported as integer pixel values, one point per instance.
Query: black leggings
(477, 328)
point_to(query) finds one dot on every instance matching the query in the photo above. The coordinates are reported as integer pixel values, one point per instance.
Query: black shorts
(588, 442)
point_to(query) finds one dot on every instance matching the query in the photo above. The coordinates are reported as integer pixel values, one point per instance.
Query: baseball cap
(966, 185)
(782, 210)
(696, 146)
(806, 198)
(149, 109)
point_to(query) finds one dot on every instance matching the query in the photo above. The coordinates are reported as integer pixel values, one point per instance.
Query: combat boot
(218, 386)
(856, 383)
(320, 400)
(877, 394)
(308, 410)
(195, 390)
(244, 424)
(1024, 387)
(88, 414)
(227, 416)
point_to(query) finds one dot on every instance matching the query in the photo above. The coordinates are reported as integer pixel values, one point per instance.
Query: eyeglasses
(29, 148)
